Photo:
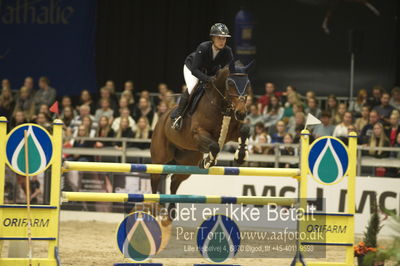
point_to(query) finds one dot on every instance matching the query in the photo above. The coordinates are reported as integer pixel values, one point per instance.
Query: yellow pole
(302, 186)
(56, 180)
(305, 139)
(351, 191)
(3, 132)
(56, 163)
(28, 196)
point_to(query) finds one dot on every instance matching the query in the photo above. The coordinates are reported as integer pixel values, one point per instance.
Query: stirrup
(177, 123)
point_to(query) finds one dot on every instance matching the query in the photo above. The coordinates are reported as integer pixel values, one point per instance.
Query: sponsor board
(386, 190)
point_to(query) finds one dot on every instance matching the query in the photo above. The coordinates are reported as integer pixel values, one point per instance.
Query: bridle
(228, 106)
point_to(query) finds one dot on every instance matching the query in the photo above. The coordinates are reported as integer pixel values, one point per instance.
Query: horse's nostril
(240, 115)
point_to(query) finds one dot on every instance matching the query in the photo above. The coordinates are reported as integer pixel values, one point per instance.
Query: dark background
(53, 38)
(147, 42)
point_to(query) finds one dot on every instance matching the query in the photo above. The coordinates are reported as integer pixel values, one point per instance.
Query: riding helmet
(220, 30)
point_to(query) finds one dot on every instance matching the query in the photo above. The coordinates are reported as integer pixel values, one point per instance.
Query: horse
(200, 131)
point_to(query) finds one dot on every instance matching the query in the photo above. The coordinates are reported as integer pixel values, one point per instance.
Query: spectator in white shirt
(84, 110)
(341, 130)
(87, 122)
(117, 121)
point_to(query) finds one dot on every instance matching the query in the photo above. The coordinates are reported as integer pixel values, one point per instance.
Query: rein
(227, 108)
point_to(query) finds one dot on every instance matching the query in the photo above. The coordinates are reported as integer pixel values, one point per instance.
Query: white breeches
(190, 80)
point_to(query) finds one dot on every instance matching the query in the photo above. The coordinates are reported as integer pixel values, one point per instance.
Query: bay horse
(200, 131)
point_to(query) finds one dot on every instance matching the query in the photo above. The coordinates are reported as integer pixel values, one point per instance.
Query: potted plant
(369, 244)
(391, 252)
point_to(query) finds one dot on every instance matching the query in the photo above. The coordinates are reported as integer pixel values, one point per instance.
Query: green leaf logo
(37, 158)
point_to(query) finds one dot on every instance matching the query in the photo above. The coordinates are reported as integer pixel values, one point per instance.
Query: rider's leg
(190, 80)
(177, 114)
(183, 100)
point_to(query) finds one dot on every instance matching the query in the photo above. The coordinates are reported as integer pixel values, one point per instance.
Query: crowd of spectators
(122, 115)
(278, 117)
(275, 117)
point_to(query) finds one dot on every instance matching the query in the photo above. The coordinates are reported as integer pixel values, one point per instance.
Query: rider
(202, 65)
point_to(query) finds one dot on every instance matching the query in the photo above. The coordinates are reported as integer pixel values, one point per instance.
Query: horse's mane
(221, 76)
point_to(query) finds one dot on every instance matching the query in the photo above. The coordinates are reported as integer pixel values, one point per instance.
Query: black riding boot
(177, 114)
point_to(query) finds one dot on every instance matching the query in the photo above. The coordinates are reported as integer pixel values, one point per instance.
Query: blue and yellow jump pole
(168, 198)
(177, 169)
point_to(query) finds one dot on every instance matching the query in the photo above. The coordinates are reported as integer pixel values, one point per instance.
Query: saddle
(195, 99)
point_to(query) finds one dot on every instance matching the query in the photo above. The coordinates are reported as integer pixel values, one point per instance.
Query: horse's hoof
(241, 157)
(206, 164)
(203, 164)
(239, 162)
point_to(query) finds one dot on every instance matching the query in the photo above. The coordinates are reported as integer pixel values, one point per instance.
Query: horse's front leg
(242, 153)
(207, 145)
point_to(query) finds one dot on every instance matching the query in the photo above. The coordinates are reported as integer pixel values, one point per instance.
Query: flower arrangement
(392, 251)
(368, 247)
(361, 249)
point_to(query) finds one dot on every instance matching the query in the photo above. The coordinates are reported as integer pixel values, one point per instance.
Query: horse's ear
(249, 65)
(232, 68)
